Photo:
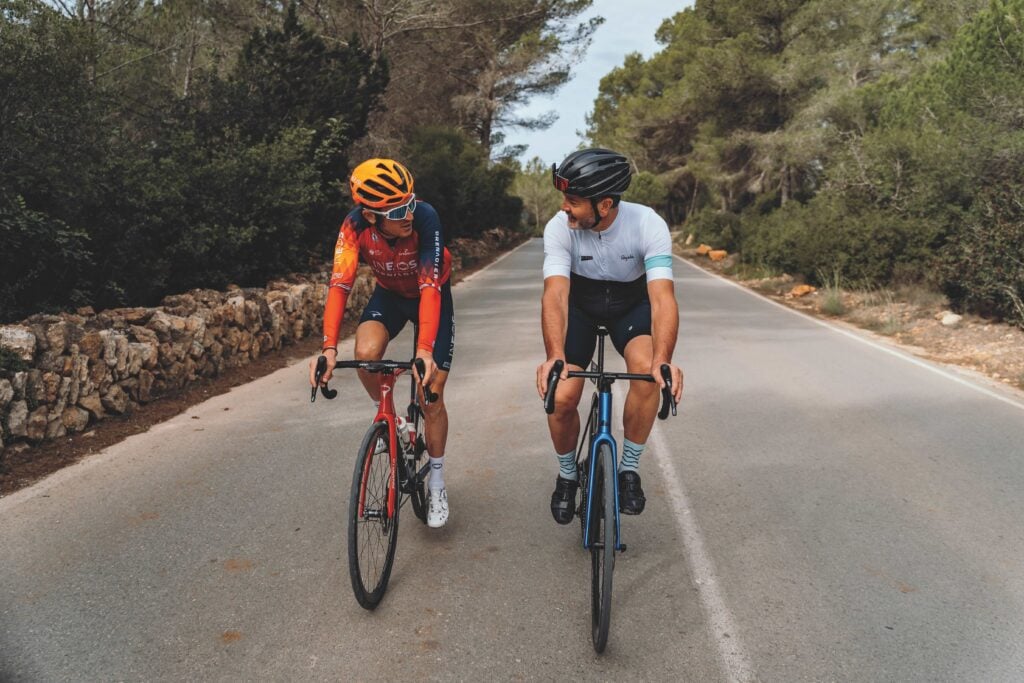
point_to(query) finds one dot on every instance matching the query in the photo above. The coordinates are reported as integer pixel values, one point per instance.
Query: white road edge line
(846, 333)
(732, 655)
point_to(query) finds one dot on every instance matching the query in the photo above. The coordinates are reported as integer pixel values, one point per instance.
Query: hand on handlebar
(677, 378)
(429, 367)
(332, 360)
(544, 369)
(423, 369)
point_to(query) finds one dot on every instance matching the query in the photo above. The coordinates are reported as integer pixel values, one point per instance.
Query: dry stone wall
(76, 369)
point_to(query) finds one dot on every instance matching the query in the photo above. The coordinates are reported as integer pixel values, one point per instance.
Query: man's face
(580, 212)
(388, 228)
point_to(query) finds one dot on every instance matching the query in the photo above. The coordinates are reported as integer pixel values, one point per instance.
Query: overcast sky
(629, 26)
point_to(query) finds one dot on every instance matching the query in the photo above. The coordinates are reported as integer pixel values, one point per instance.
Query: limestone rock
(17, 418)
(6, 393)
(75, 419)
(35, 428)
(950, 319)
(20, 340)
(115, 400)
(93, 404)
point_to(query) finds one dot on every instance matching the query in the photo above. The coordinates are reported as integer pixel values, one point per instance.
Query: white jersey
(636, 244)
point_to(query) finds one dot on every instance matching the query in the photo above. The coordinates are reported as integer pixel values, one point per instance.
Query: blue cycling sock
(631, 453)
(567, 465)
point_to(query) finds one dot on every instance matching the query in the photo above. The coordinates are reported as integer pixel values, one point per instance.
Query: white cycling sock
(436, 482)
(567, 465)
(631, 453)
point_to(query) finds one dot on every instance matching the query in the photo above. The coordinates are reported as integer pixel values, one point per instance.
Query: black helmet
(592, 173)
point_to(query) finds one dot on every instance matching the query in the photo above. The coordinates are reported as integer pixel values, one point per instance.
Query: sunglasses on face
(561, 184)
(399, 212)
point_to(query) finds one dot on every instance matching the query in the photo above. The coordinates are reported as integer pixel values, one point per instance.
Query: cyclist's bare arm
(554, 313)
(664, 330)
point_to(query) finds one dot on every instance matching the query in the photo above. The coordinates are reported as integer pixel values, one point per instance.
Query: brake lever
(668, 401)
(421, 368)
(553, 377)
(321, 370)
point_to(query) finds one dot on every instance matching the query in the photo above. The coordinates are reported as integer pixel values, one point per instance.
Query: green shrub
(718, 229)
(984, 263)
(454, 174)
(869, 246)
(646, 188)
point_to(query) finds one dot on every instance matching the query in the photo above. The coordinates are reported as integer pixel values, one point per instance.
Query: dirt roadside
(910, 317)
(24, 465)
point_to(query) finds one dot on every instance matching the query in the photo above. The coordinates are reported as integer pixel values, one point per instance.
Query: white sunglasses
(399, 212)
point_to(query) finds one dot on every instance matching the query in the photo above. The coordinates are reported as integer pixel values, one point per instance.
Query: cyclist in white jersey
(606, 262)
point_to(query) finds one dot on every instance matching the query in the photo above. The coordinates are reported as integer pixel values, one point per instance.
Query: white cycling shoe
(382, 447)
(437, 508)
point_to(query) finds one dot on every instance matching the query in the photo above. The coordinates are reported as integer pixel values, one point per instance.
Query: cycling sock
(436, 473)
(630, 456)
(567, 465)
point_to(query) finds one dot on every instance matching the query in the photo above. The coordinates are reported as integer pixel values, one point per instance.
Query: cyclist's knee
(369, 349)
(565, 404)
(435, 408)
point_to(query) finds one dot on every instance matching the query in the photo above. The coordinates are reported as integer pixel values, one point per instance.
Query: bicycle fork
(603, 436)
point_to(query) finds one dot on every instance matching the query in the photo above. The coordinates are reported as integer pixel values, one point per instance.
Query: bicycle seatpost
(553, 377)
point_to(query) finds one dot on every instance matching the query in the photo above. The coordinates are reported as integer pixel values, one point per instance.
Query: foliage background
(147, 148)
(880, 140)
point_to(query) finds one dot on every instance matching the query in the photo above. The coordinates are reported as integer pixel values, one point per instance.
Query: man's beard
(582, 224)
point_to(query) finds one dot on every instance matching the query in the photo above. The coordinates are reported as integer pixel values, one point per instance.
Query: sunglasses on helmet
(561, 184)
(399, 212)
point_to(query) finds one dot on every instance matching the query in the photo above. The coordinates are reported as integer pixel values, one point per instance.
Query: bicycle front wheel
(602, 548)
(372, 531)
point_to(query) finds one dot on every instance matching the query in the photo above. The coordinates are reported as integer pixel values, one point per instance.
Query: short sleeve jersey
(636, 244)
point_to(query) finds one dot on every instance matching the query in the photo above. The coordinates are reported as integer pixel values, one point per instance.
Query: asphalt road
(823, 508)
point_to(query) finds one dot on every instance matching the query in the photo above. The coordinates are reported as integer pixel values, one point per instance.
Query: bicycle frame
(385, 414)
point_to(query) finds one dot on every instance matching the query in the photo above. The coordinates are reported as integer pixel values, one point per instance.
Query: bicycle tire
(602, 549)
(371, 539)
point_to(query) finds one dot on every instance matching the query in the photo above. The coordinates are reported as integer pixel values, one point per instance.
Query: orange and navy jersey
(412, 267)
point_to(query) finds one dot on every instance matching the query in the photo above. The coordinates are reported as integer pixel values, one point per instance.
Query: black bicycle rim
(602, 550)
(372, 536)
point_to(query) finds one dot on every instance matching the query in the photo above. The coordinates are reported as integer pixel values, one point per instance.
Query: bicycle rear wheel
(372, 535)
(602, 548)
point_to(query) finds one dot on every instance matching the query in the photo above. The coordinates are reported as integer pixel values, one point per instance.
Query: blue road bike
(599, 491)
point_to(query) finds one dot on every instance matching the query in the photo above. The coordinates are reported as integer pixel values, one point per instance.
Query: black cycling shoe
(563, 500)
(631, 496)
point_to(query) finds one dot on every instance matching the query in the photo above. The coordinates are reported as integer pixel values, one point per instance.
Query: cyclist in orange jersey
(401, 239)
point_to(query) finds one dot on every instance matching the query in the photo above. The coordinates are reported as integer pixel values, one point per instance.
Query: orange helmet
(380, 184)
